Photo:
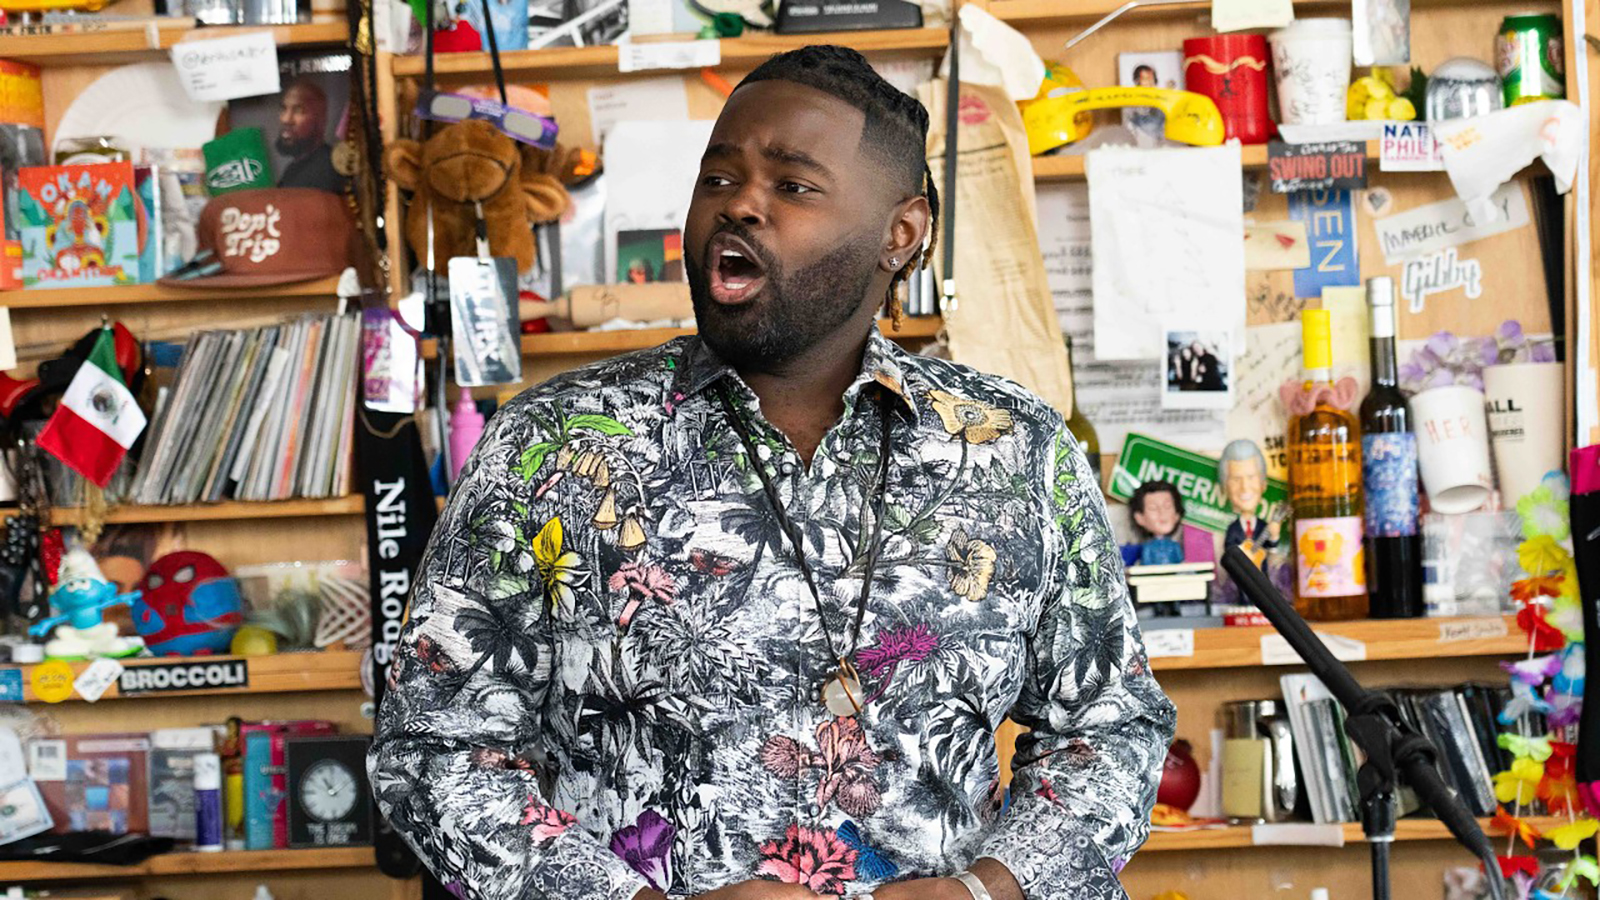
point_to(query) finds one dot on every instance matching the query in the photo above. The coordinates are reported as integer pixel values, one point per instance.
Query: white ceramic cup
(1453, 448)
(1311, 59)
(1524, 402)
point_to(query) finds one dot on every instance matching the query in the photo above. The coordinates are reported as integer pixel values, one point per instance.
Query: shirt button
(787, 468)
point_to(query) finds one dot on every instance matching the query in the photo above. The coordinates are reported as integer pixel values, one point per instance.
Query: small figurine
(190, 607)
(80, 597)
(1242, 472)
(1158, 514)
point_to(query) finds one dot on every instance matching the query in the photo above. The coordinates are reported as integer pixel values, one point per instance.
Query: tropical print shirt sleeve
(461, 727)
(611, 676)
(1086, 772)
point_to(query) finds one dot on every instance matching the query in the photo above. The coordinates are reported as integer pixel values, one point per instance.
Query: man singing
(736, 618)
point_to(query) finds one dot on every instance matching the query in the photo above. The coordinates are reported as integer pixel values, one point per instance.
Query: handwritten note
(1273, 354)
(1166, 228)
(1117, 396)
(1456, 630)
(243, 65)
(1166, 643)
(640, 100)
(639, 57)
(1275, 651)
(1237, 15)
(1428, 229)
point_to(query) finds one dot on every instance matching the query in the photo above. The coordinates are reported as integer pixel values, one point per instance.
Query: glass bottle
(1389, 474)
(1079, 424)
(1325, 488)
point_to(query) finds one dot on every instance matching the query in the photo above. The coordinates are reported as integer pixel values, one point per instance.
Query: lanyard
(795, 538)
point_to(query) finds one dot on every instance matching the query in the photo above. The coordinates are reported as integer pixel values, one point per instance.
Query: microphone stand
(1373, 723)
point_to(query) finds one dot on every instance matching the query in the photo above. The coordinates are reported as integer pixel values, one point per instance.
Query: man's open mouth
(735, 271)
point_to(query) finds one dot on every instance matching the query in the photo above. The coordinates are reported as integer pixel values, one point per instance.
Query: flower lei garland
(1550, 682)
(1444, 359)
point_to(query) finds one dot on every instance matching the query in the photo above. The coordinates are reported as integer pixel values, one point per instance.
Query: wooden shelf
(120, 45)
(623, 340)
(281, 673)
(1241, 836)
(1070, 168)
(56, 298)
(743, 51)
(1381, 639)
(349, 505)
(195, 864)
(1025, 13)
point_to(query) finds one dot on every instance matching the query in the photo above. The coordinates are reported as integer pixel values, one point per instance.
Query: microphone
(1373, 721)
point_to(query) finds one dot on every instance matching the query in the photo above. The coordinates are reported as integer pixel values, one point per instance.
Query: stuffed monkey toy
(472, 162)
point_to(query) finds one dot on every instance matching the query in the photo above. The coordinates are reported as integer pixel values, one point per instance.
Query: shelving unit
(1070, 168)
(158, 293)
(282, 673)
(171, 864)
(623, 340)
(120, 45)
(231, 510)
(1362, 640)
(578, 62)
(1238, 837)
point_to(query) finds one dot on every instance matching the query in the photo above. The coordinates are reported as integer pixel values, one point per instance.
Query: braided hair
(896, 132)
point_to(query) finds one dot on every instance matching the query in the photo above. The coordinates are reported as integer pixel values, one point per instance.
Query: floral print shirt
(610, 677)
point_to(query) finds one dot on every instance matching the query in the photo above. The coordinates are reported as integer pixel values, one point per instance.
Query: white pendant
(842, 695)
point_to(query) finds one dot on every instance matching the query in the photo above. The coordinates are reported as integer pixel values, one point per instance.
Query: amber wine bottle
(1325, 488)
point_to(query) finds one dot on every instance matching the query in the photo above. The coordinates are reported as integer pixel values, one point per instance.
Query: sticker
(11, 686)
(1275, 651)
(52, 681)
(1428, 229)
(1271, 246)
(1328, 557)
(93, 681)
(1316, 167)
(191, 676)
(1377, 202)
(244, 65)
(1330, 222)
(47, 759)
(1166, 643)
(1194, 475)
(1389, 475)
(1439, 274)
(1408, 147)
(1472, 630)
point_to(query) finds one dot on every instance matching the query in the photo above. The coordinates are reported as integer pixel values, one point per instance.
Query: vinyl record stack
(256, 414)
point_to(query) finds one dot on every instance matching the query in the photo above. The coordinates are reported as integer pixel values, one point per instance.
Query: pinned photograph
(1161, 69)
(1199, 370)
(649, 255)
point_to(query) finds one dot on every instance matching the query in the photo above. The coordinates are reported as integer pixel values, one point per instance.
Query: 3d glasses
(517, 124)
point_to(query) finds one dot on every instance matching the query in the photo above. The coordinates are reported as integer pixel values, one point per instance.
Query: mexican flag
(98, 419)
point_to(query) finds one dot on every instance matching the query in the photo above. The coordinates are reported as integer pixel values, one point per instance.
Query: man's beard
(793, 313)
(294, 147)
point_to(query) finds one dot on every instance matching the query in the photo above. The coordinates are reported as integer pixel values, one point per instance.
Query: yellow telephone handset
(1052, 121)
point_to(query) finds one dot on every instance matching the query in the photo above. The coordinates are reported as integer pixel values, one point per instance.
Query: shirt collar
(699, 367)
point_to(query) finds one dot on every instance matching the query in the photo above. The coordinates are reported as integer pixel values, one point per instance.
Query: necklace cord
(795, 538)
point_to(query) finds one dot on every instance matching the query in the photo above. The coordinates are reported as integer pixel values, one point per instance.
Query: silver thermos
(1258, 767)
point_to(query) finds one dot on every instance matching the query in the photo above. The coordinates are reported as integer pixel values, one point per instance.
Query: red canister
(1231, 69)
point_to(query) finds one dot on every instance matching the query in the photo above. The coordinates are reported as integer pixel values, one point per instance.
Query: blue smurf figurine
(80, 597)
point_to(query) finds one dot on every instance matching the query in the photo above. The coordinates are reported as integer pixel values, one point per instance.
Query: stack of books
(256, 414)
(1461, 721)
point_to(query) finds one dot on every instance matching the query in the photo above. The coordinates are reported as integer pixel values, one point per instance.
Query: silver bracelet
(974, 886)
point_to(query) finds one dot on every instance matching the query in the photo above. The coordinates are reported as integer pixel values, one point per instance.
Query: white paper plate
(142, 105)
